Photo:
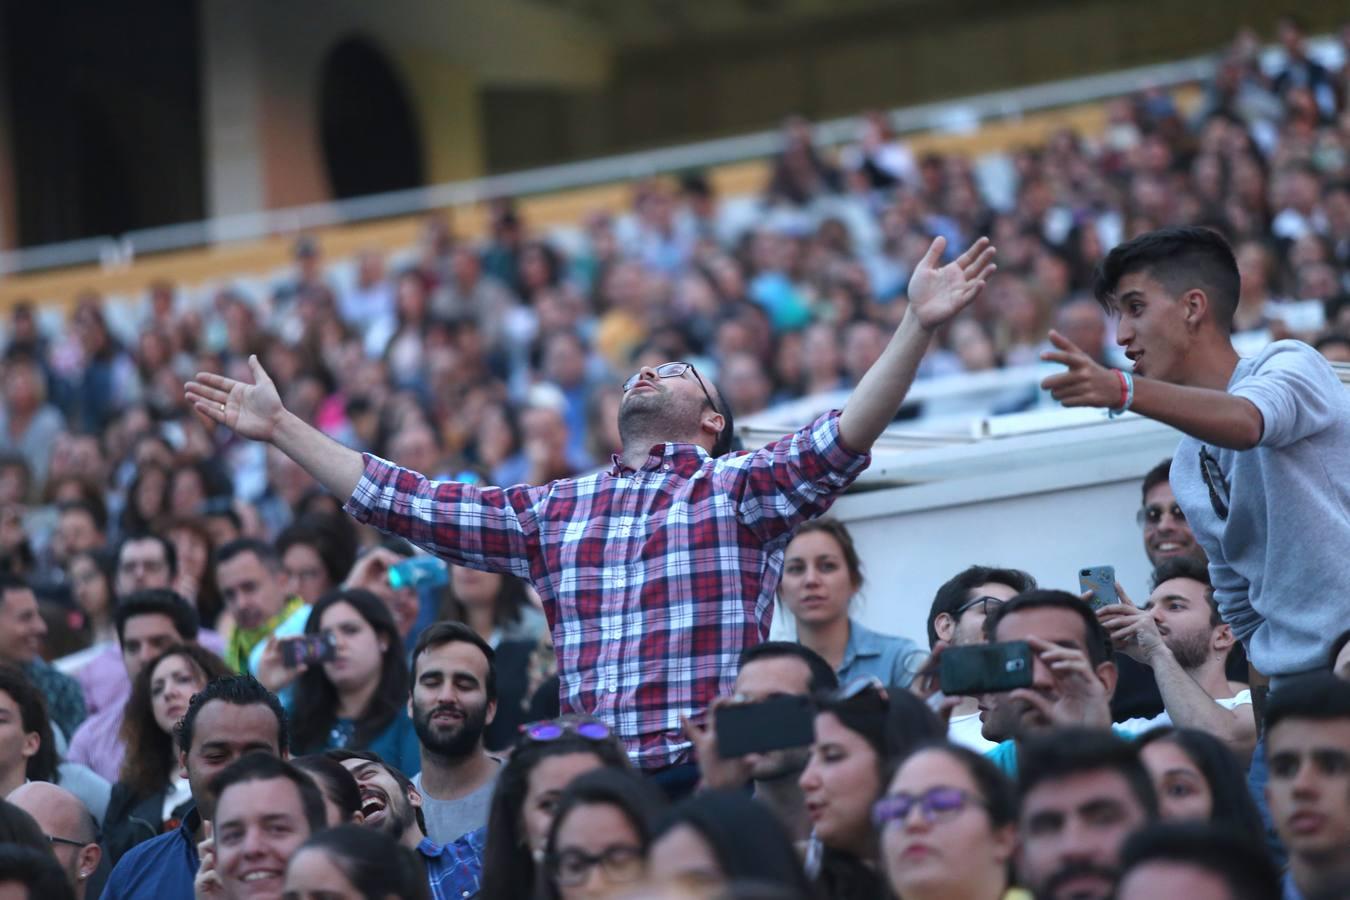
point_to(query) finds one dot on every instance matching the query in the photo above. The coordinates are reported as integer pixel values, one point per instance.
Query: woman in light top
(821, 576)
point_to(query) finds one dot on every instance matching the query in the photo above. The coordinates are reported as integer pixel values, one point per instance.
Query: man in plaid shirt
(657, 572)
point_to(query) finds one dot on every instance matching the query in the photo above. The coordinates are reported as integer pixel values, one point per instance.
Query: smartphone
(1101, 580)
(985, 668)
(308, 650)
(774, 724)
(419, 571)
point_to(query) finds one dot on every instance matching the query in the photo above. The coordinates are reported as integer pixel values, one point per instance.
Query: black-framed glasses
(67, 841)
(1153, 513)
(1216, 481)
(671, 370)
(556, 729)
(983, 602)
(935, 805)
(621, 862)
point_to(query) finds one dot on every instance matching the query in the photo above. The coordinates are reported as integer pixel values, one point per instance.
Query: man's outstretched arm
(255, 411)
(936, 295)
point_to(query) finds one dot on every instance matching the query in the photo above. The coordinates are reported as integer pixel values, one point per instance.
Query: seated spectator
(21, 634)
(1181, 637)
(393, 806)
(253, 586)
(28, 423)
(27, 873)
(68, 825)
(151, 795)
(90, 575)
(496, 606)
(148, 623)
(1073, 671)
(31, 754)
(962, 841)
(843, 779)
(1082, 792)
(1196, 860)
(454, 697)
(265, 808)
(957, 618)
(1198, 779)
(227, 719)
(720, 837)
(771, 669)
(600, 835)
(359, 699)
(341, 793)
(356, 864)
(550, 755)
(821, 575)
(1167, 534)
(1308, 743)
(315, 556)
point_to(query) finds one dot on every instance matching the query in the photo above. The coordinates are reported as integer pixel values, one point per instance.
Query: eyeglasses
(620, 862)
(1212, 473)
(935, 805)
(67, 841)
(671, 370)
(982, 601)
(1153, 513)
(543, 732)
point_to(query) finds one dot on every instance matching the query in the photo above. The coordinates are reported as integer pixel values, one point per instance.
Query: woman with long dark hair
(151, 796)
(354, 862)
(1199, 779)
(357, 700)
(549, 756)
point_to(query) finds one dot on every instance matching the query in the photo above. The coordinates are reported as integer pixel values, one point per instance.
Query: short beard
(654, 419)
(455, 744)
(1190, 652)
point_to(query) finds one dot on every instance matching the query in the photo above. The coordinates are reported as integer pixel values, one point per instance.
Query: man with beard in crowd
(454, 699)
(658, 571)
(391, 804)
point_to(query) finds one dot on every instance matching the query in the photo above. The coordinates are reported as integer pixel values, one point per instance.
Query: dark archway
(369, 131)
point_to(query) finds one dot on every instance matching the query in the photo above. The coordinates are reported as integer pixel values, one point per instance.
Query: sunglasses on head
(556, 729)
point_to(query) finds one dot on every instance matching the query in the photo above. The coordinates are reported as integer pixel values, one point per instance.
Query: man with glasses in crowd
(656, 573)
(69, 826)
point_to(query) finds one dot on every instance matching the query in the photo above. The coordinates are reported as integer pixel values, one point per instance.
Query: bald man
(69, 825)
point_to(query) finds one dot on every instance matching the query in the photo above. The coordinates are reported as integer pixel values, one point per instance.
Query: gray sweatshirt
(1280, 563)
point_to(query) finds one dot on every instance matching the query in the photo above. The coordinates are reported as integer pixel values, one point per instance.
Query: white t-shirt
(1136, 727)
(965, 731)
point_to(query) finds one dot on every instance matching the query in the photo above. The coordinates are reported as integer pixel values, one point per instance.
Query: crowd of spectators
(181, 609)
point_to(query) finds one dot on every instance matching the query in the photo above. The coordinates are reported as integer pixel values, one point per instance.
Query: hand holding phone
(986, 668)
(775, 724)
(1101, 582)
(308, 650)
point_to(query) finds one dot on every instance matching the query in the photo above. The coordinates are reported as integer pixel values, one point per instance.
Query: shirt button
(666, 467)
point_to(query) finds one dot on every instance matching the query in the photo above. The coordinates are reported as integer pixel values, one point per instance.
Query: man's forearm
(334, 466)
(878, 396)
(1215, 417)
(1189, 706)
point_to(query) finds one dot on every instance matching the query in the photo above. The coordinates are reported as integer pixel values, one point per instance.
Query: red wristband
(1124, 389)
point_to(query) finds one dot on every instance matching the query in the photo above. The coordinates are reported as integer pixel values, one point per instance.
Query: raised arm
(255, 411)
(936, 295)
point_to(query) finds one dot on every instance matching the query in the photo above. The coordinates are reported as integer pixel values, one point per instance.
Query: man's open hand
(1087, 383)
(249, 410)
(936, 294)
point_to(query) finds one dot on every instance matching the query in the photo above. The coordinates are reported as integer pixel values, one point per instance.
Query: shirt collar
(659, 455)
(861, 642)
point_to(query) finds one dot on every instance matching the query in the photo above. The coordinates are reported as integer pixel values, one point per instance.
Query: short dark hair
(236, 690)
(374, 863)
(266, 553)
(440, 633)
(33, 717)
(334, 544)
(1099, 648)
(10, 582)
(17, 826)
(954, 592)
(1320, 696)
(258, 766)
(333, 780)
(1159, 474)
(1235, 858)
(638, 799)
(37, 870)
(1058, 753)
(170, 552)
(158, 602)
(1194, 570)
(823, 677)
(404, 782)
(1180, 257)
(726, 438)
(93, 506)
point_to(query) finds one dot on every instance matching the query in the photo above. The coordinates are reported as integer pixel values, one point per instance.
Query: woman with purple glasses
(548, 757)
(948, 827)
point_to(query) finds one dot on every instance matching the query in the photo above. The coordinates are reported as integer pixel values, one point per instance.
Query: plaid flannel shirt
(654, 580)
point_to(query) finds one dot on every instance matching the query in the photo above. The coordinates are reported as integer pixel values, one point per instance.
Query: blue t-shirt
(160, 868)
(1005, 754)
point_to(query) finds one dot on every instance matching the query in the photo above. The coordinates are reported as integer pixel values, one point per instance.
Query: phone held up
(1101, 581)
(774, 724)
(985, 668)
(308, 650)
